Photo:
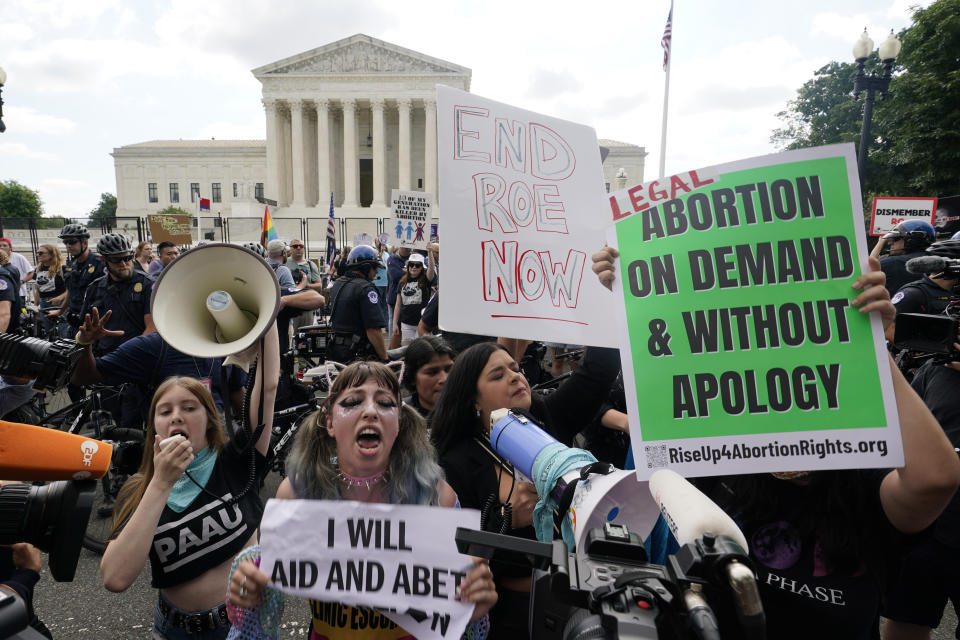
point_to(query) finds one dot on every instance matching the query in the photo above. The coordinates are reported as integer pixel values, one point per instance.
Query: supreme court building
(356, 117)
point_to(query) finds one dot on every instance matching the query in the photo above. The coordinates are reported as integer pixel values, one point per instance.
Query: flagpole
(666, 95)
(196, 212)
(663, 128)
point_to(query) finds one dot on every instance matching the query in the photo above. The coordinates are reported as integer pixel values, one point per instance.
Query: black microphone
(930, 264)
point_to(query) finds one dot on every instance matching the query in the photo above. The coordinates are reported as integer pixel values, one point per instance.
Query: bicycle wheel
(127, 452)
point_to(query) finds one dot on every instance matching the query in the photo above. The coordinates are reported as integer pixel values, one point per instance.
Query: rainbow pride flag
(267, 232)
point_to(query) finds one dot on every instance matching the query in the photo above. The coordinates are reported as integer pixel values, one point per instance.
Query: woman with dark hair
(484, 378)
(413, 293)
(820, 540)
(364, 445)
(427, 362)
(183, 510)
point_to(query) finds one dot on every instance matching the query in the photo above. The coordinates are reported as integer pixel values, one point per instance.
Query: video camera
(932, 333)
(50, 364)
(611, 591)
(53, 517)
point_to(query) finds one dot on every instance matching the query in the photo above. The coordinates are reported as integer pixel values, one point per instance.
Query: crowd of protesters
(835, 552)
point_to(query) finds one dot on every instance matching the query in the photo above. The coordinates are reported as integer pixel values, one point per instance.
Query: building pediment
(360, 55)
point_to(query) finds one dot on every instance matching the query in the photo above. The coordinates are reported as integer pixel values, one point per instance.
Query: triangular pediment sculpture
(360, 54)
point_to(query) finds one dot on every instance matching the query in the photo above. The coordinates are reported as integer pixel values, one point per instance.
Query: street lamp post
(3, 81)
(871, 83)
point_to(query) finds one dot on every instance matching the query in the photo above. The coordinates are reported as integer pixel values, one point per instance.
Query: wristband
(81, 342)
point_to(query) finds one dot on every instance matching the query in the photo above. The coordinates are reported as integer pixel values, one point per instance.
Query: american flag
(665, 40)
(331, 234)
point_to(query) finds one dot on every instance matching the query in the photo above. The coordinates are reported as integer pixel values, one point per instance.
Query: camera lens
(49, 363)
(51, 517)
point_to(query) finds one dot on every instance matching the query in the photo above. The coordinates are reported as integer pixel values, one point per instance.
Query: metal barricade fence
(28, 233)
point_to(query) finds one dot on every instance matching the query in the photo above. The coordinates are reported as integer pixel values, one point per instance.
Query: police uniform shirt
(921, 296)
(78, 276)
(357, 306)
(128, 299)
(895, 268)
(9, 291)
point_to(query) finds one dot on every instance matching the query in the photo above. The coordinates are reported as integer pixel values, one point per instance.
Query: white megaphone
(215, 300)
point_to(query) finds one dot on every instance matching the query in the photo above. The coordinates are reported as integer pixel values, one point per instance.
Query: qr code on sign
(656, 456)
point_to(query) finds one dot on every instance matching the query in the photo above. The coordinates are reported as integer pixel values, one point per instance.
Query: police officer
(81, 269)
(10, 300)
(906, 241)
(356, 313)
(123, 291)
(932, 292)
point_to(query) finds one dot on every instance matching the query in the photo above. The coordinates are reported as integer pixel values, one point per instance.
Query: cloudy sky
(86, 77)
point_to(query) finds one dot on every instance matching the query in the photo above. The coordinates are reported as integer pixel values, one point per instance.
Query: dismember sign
(400, 560)
(889, 212)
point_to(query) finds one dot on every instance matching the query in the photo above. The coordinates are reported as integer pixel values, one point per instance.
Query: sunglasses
(416, 265)
(296, 246)
(119, 259)
(70, 242)
(43, 253)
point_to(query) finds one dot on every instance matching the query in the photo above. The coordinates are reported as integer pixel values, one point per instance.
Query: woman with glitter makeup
(365, 445)
(821, 541)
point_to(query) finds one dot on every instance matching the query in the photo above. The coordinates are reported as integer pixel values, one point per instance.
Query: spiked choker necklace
(355, 481)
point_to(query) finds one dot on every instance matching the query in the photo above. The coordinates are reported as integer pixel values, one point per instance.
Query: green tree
(105, 213)
(923, 146)
(915, 143)
(19, 201)
(174, 211)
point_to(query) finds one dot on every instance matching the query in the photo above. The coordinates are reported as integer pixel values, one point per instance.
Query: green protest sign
(745, 354)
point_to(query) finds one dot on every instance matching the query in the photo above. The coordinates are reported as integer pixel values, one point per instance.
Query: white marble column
(379, 150)
(274, 138)
(284, 150)
(430, 148)
(323, 153)
(351, 167)
(296, 144)
(404, 144)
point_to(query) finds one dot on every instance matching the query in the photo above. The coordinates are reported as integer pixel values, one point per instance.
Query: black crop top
(208, 532)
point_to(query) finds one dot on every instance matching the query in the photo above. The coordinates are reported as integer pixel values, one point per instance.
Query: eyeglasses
(296, 246)
(415, 266)
(70, 241)
(119, 259)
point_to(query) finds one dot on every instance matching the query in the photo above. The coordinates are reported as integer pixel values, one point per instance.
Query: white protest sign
(362, 238)
(523, 208)
(410, 218)
(400, 559)
(889, 212)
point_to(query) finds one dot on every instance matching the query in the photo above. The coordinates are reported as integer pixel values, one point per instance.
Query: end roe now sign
(522, 196)
(737, 290)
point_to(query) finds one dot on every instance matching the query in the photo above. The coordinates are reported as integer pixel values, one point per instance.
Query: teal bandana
(185, 490)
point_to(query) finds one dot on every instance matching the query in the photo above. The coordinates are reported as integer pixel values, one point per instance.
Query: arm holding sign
(915, 494)
(248, 582)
